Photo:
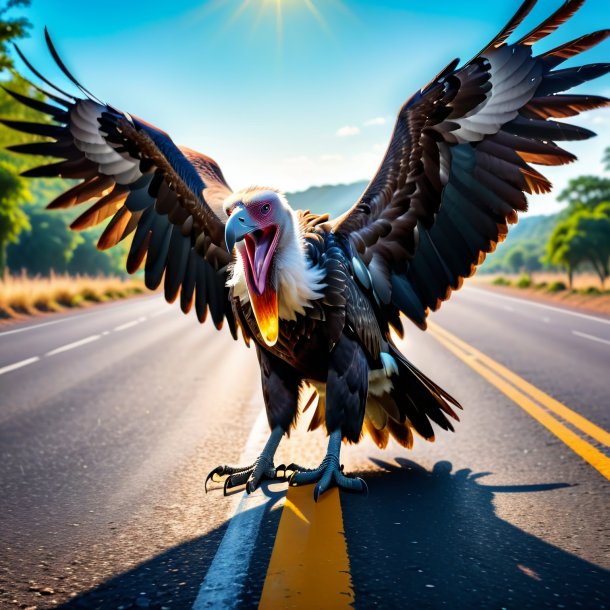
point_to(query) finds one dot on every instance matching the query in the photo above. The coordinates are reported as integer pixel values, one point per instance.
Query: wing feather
(167, 197)
(457, 168)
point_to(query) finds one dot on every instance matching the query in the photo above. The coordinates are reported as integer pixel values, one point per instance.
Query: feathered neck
(298, 281)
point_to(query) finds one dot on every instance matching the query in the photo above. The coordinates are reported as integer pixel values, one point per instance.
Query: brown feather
(114, 232)
(401, 433)
(93, 187)
(549, 25)
(380, 437)
(102, 209)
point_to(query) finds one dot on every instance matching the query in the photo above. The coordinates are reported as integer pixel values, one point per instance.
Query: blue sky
(310, 102)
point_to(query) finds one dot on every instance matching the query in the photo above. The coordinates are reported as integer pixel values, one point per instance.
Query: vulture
(318, 297)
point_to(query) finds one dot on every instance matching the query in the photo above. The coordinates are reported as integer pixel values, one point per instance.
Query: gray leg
(327, 472)
(252, 475)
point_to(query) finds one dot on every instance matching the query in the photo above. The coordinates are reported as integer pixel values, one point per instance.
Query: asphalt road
(110, 419)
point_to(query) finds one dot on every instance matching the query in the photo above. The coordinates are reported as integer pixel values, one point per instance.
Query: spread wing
(169, 197)
(459, 164)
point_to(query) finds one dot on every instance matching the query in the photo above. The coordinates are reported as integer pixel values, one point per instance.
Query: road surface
(110, 418)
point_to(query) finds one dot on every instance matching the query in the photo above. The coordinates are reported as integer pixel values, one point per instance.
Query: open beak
(256, 247)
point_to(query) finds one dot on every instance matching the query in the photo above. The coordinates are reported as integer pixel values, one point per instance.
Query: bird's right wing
(170, 198)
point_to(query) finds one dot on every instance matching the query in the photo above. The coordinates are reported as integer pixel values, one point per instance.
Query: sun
(277, 8)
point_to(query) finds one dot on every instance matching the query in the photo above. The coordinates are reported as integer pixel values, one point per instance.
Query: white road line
(541, 305)
(72, 316)
(590, 337)
(224, 582)
(129, 324)
(69, 346)
(22, 330)
(18, 365)
(160, 312)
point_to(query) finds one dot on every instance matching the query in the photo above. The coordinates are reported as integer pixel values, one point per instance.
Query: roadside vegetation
(44, 266)
(585, 292)
(22, 295)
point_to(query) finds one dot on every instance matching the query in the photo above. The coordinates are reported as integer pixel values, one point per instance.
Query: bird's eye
(265, 209)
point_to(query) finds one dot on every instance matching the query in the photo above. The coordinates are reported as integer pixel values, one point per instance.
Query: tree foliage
(13, 189)
(32, 238)
(585, 192)
(13, 219)
(582, 238)
(11, 28)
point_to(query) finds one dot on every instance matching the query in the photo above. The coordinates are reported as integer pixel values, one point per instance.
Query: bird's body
(319, 297)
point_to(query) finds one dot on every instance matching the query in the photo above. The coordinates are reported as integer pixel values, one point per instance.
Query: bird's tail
(410, 404)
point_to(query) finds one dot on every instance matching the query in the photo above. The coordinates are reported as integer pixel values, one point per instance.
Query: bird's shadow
(425, 539)
(435, 537)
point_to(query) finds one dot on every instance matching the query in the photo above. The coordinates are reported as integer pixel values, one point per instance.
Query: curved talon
(217, 471)
(294, 468)
(251, 475)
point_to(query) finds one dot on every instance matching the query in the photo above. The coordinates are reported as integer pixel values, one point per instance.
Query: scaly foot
(328, 472)
(252, 475)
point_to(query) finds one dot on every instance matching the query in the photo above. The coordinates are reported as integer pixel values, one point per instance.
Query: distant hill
(530, 233)
(332, 198)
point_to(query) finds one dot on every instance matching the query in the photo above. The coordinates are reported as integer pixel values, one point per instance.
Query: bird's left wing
(458, 165)
(169, 197)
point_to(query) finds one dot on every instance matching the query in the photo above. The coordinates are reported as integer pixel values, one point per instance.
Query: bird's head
(260, 222)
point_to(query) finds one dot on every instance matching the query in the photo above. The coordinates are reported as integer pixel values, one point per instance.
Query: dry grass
(22, 295)
(582, 281)
(546, 287)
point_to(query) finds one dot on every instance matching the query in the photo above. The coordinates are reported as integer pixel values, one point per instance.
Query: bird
(318, 297)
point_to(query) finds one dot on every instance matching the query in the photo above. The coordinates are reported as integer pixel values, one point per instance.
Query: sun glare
(278, 10)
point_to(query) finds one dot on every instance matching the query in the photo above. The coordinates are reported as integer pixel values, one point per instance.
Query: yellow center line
(485, 366)
(309, 566)
(578, 421)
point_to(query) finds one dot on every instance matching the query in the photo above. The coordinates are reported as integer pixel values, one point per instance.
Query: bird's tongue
(260, 246)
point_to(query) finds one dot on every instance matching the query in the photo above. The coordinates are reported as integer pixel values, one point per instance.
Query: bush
(114, 293)
(93, 294)
(525, 281)
(541, 285)
(590, 290)
(501, 281)
(556, 287)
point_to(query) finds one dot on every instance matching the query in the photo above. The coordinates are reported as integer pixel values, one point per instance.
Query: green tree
(607, 159)
(594, 227)
(11, 28)
(583, 237)
(563, 250)
(515, 260)
(47, 245)
(585, 192)
(13, 192)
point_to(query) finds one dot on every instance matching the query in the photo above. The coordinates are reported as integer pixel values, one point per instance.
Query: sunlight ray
(311, 7)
